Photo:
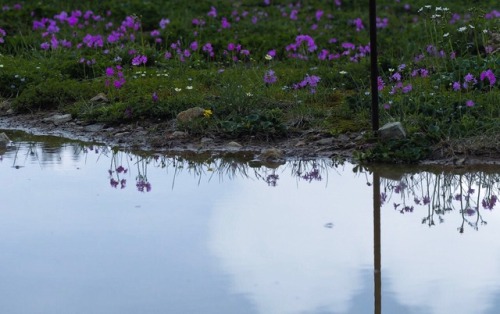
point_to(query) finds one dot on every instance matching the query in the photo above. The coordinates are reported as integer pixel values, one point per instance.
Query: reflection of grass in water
(442, 193)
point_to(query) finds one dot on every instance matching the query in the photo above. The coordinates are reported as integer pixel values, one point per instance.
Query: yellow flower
(207, 113)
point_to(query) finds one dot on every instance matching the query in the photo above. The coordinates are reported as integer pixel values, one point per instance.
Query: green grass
(242, 104)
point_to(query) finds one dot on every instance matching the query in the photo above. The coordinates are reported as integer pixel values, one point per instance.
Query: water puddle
(88, 229)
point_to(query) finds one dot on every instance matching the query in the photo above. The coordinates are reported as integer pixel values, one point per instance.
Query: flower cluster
(117, 74)
(309, 81)
(270, 77)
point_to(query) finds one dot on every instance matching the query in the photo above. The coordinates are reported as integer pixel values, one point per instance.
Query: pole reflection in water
(377, 263)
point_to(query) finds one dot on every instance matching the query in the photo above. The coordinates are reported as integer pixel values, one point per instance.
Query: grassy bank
(258, 68)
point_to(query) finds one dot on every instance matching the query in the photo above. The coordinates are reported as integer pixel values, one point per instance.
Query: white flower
(435, 16)
(177, 89)
(446, 35)
(420, 10)
(1, 66)
(391, 70)
(428, 6)
(462, 29)
(268, 57)
(470, 26)
(485, 31)
(343, 72)
(189, 87)
(249, 94)
(439, 9)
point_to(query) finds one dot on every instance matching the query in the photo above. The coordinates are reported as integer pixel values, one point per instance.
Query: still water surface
(85, 229)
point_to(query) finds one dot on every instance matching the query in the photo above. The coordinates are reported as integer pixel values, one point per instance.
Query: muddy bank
(163, 137)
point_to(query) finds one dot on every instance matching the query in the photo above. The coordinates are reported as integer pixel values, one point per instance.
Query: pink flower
(380, 83)
(212, 12)
(139, 59)
(488, 74)
(270, 77)
(110, 72)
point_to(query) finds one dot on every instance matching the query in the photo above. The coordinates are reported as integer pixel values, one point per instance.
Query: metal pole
(374, 65)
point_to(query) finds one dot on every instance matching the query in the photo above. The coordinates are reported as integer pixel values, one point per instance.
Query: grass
(438, 64)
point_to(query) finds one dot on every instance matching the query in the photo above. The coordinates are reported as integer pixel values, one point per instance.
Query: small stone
(206, 140)
(120, 134)
(93, 127)
(4, 140)
(393, 130)
(177, 134)
(190, 114)
(99, 98)
(58, 119)
(325, 141)
(234, 145)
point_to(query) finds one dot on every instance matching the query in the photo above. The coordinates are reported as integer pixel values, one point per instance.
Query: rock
(99, 98)
(58, 119)
(190, 114)
(300, 143)
(271, 154)
(233, 145)
(392, 131)
(325, 141)
(5, 107)
(93, 127)
(4, 140)
(206, 140)
(121, 134)
(177, 134)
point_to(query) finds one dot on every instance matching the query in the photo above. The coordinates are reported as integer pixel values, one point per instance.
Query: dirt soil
(162, 137)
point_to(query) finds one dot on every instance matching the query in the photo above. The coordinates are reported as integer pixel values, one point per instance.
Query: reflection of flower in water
(272, 179)
(143, 184)
(489, 202)
(443, 193)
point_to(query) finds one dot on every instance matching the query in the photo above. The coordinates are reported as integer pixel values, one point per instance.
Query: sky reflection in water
(84, 229)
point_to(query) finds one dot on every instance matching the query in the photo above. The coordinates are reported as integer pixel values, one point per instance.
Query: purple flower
(45, 46)
(139, 59)
(110, 71)
(270, 77)
(358, 22)
(456, 86)
(407, 89)
(380, 83)
(2, 35)
(396, 76)
(208, 49)
(163, 23)
(225, 23)
(469, 78)
(154, 97)
(469, 103)
(488, 74)
(212, 12)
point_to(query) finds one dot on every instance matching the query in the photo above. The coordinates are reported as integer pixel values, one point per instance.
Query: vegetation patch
(264, 69)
